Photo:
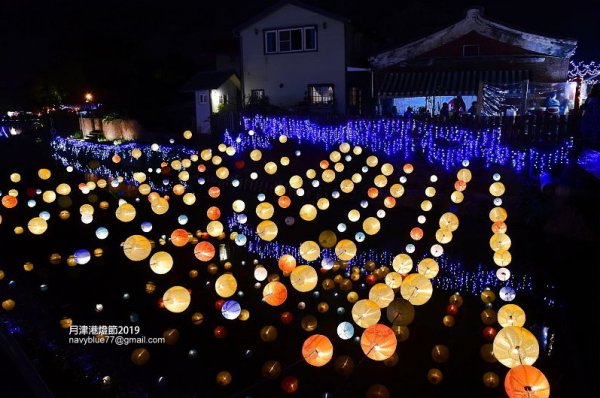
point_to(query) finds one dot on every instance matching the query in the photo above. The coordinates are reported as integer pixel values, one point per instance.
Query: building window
(257, 94)
(202, 98)
(355, 96)
(320, 93)
(291, 40)
(471, 50)
(223, 99)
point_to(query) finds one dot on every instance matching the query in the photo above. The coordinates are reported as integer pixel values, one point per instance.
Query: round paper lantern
(500, 242)
(189, 199)
(63, 189)
(47, 196)
(271, 369)
(265, 210)
(295, 181)
(366, 313)
(317, 350)
(37, 225)
(268, 333)
(271, 168)
(161, 262)
(498, 214)
(328, 175)
(214, 228)
(180, 237)
(443, 235)
(440, 353)
(497, 189)
(400, 312)
(137, 247)
(515, 345)
(511, 315)
(378, 342)
(284, 202)
(125, 212)
(226, 285)
(354, 215)
(402, 263)
(308, 212)
(435, 376)
(490, 380)
(289, 384)
(499, 227)
(327, 239)
(381, 294)
(393, 280)
(159, 205)
(345, 250)
(231, 309)
(380, 181)
(525, 381)
(396, 190)
(304, 278)
(345, 330)
(344, 365)
(310, 250)
(426, 205)
(287, 263)
(428, 267)
(323, 203)
(176, 299)
(416, 288)
(457, 197)
(275, 293)
(416, 233)
(371, 225)
(204, 251)
(267, 230)
(502, 258)
(140, 356)
(464, 175)
(256, 155)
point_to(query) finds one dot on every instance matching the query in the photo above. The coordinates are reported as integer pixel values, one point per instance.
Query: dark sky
(128, 45)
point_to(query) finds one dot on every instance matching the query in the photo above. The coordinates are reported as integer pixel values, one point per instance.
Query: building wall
(285, 77)
(202, 112)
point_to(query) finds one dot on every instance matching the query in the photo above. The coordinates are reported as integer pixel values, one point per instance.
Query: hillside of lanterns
(288, 260)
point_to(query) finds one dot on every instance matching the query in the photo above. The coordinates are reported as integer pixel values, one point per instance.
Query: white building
(298, 55)
(214, 91)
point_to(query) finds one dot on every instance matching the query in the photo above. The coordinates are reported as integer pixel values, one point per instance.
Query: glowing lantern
(378, 342)
(498, 214)
(267, 230)
(327, 239)
(381, 294)
(161, 262)
(443, 235)
(139, 177)
(44, 174)
(323, 203)
(37, 225)
(222, 172)
(511, 315)
(275, 293)
(256, 155)
(271, 168)
(180, 237)
(159, 205)
(372, 161)
(502, 258)
(189, 199)
(213, 213)
(426, 205)
(416, 233)
(284, 202)
(125, 212)
(464, 175)
(214, 192)
(178, 189)
(345, 250)
(137, 247)
(295, 181)
(416, 288)
(366, 313)
(265, 210)
(371, 225)
(176, 299)
(317, 350)
(144, 189)
(328, 175)
(515, 345)
(402, 263)
(380, 181)
(497, 189)
(308, 212)
(393, 280)
(428, 267)
(499, 227)
(214, 228)
(449, 221)
(287, 263)
(525, 381)
(47, 196)
(136, 153)
(354, 215)
(204, 251)
(457, 197)
(140, 356)
(304, 278)
(500, 242)
(226, 285)
(9, 201)
(15, 177)
(389, 202)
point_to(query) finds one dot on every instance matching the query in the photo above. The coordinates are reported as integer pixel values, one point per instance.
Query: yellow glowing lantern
(304, 278)
(144, 189)
(187, 134)
(347, 186)
(37, 225)
(183, 175)
(256, 155)
(86, 209)
(206, 154)
(214, 228)
(335, 156)
(381, 294)
(226, 285)
(502, 257)
(426, 205)
(443, 235)
(280, 190)
(393, 280)
(161, 262)
(177, 299)
(339, 167)
(311, 173)
(125, 212)
(222, 172)
(265, 210)
(328, 175)
(49, 196)
(511, 315)
(310, 250)
(238, 205)
(327, 239)
(323, 203)
(159, 205)
(457, 197)
(136, 153)
(498, 214)
(354, 215)
(271, 168)
(464, 175)
(449, 221)
(497, 189)
(137, 247)
(284, 161)
(63, 189)
(356, 178)
(380, 181)
(267, 230)
(295, 181)
(189, 199)
(397, 190)
(366, 313)
(428, 267)
(308, 212)
(416, 288)
(515, 345)
(430, 192)
(387, 169)
(500, 241)
(15, 177)
(372, 161)
(345, 250)
(44, 174)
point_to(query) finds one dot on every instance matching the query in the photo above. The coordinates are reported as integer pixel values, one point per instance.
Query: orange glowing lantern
(9, 201)
(275, 293)
(204, 251)
(213, 213)
(524, 381)
(287, 263)
(378, 342)
(317, 350)
(416, 233)
(180, 237)
(460, 185)
(214, 192)
(389, 202)
(372, 192)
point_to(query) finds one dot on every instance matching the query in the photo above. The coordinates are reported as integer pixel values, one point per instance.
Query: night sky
(135, 55)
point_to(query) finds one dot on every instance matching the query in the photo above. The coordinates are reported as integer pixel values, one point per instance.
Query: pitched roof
(474, 21)
(207, 80)
(268, 11)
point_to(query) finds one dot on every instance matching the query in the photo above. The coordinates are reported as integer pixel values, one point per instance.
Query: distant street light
(89, 97)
